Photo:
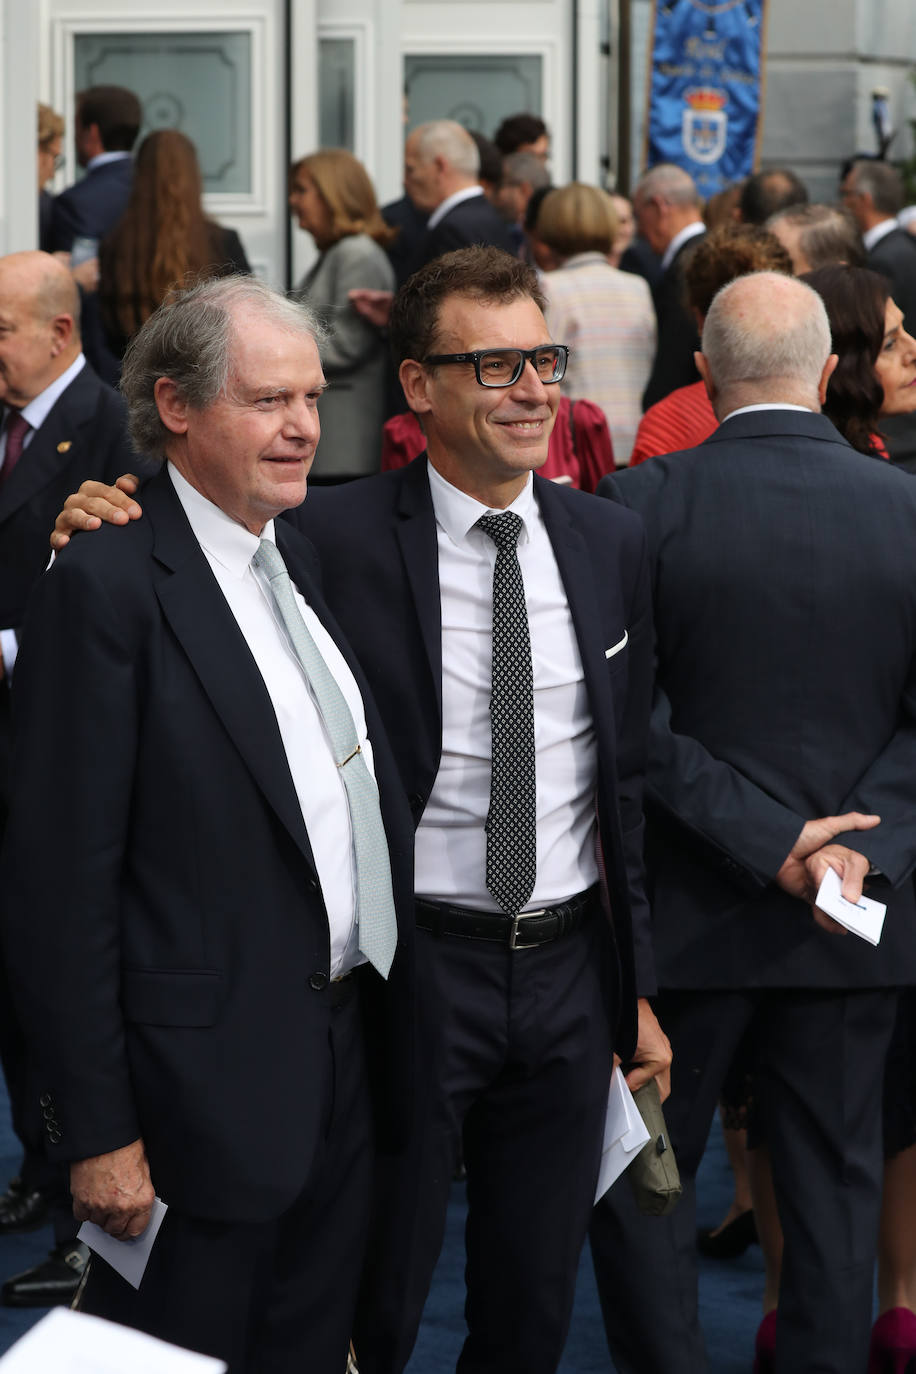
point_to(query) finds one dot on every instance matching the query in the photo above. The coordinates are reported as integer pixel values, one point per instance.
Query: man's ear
(827, 373)
(703, 369)
(415, 379)
(61, 334)
(172, 407)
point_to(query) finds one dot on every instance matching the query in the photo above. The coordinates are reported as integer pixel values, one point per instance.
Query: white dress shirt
(873, 236)
(467, 193)
(229, 549)
(684, 235)
(36, 412)
(451, 844)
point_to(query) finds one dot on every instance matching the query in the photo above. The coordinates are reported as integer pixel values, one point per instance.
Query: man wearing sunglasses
(513, 673)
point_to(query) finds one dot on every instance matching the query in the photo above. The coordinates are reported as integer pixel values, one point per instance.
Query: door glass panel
(477, 91)
(336, 92)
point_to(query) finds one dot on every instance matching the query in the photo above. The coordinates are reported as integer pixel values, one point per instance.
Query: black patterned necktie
(511, 826)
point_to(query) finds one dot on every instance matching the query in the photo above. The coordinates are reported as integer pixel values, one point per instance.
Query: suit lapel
(577, 574)
(201, 620)
(52, 445)
(416, 536)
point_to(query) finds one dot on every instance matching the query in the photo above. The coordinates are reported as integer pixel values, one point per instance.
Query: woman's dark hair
(855, 299)
(162, 238)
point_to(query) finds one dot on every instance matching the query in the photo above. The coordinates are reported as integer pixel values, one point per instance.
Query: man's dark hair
(534, 207)
(516, 130)
(491, 162)
(766, 192)
(117, 113)
(480, 273)
(855, 299)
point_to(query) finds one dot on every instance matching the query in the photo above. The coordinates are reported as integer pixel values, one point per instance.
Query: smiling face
(250, 450)
(895, 367)
(485, 440)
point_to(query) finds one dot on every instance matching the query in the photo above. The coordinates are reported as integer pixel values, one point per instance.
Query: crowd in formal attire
(401, 810)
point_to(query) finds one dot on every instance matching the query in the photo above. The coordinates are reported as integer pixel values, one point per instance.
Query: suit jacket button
(318, 981)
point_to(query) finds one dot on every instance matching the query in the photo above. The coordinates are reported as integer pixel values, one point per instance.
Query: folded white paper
(624, 1134)
(74, 1343)
(864, 917)
(128, 1257)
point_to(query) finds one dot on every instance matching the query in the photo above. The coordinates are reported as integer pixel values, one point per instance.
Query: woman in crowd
(685, 418)
(50, 137)
(163, 237)
(332, 198)
(605, 315)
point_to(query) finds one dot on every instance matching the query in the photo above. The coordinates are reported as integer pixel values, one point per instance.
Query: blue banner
(705, 84)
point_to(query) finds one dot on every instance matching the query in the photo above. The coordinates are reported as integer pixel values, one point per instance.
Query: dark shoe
(893, 1342)
(730, 1241)
(21, 1209)
(50, 1284)
(765, 1345)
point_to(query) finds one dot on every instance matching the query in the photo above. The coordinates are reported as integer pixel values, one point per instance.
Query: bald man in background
(58, 420)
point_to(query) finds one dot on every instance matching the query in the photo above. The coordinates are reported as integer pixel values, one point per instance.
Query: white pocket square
(615, 648)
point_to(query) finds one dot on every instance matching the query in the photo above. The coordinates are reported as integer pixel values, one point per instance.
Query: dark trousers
(271, 1297)
(818, 1083)
(517, 1062)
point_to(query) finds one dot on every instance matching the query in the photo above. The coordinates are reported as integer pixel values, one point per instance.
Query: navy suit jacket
(894, 257)
(784, 583)
(173, 987)
(377, 543)
(91, 208)
(678, 338)
(471, 221)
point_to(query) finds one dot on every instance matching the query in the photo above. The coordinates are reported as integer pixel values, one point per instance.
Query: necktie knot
(503, 529)
(270, 559)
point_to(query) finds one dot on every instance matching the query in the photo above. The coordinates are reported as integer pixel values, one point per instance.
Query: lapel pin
(65, 445)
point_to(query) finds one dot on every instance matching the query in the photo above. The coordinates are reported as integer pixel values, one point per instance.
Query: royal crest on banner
(706, 88)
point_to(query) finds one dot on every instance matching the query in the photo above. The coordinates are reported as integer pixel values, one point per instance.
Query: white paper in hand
(624, 1134)
(864, 917)
(128, 1257)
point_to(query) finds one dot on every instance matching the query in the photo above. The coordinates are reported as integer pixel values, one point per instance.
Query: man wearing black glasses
(505, 624)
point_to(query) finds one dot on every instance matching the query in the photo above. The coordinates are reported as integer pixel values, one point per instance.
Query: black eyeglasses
(504, 366)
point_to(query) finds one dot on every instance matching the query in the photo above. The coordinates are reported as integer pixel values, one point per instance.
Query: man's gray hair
(525, 167)
(882, 182)
(778, 343)
(669, 182)
(189, 340)
(450, 140)
(826, 234)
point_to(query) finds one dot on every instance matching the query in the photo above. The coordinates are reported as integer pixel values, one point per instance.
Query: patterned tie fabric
(511, 826)
(374, 900)
(15, 428)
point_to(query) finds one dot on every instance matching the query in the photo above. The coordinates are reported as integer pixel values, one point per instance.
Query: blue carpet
(729, 1293)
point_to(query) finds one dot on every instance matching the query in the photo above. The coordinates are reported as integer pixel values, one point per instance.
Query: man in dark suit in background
(58, 422)
(534, 957)
(193, 1001)
(873, 192)
(666, 204)
(784, 574)
(106, 126)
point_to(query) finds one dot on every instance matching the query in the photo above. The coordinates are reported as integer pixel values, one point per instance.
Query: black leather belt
(525, 931)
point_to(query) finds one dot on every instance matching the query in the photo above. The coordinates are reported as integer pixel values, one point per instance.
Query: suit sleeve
(886, 790)
(76, 714)
(744, 830)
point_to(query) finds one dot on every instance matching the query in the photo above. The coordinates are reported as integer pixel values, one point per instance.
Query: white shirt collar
(40, 406)
(223, 538)
(689, 231)
(877, 232)
(103, 158)
(458, 513)
(767, 405)
(450, 202)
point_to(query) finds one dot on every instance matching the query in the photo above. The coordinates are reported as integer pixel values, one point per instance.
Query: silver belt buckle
(514, 932)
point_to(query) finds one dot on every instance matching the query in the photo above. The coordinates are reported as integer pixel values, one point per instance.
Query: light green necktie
(374, 901)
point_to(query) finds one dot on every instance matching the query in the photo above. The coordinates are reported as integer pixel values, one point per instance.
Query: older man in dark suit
(784, 576)
(58, 422)
(194, 1001)
(873, 192)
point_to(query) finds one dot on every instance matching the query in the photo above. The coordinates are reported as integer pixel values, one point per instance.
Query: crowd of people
(393, 814)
